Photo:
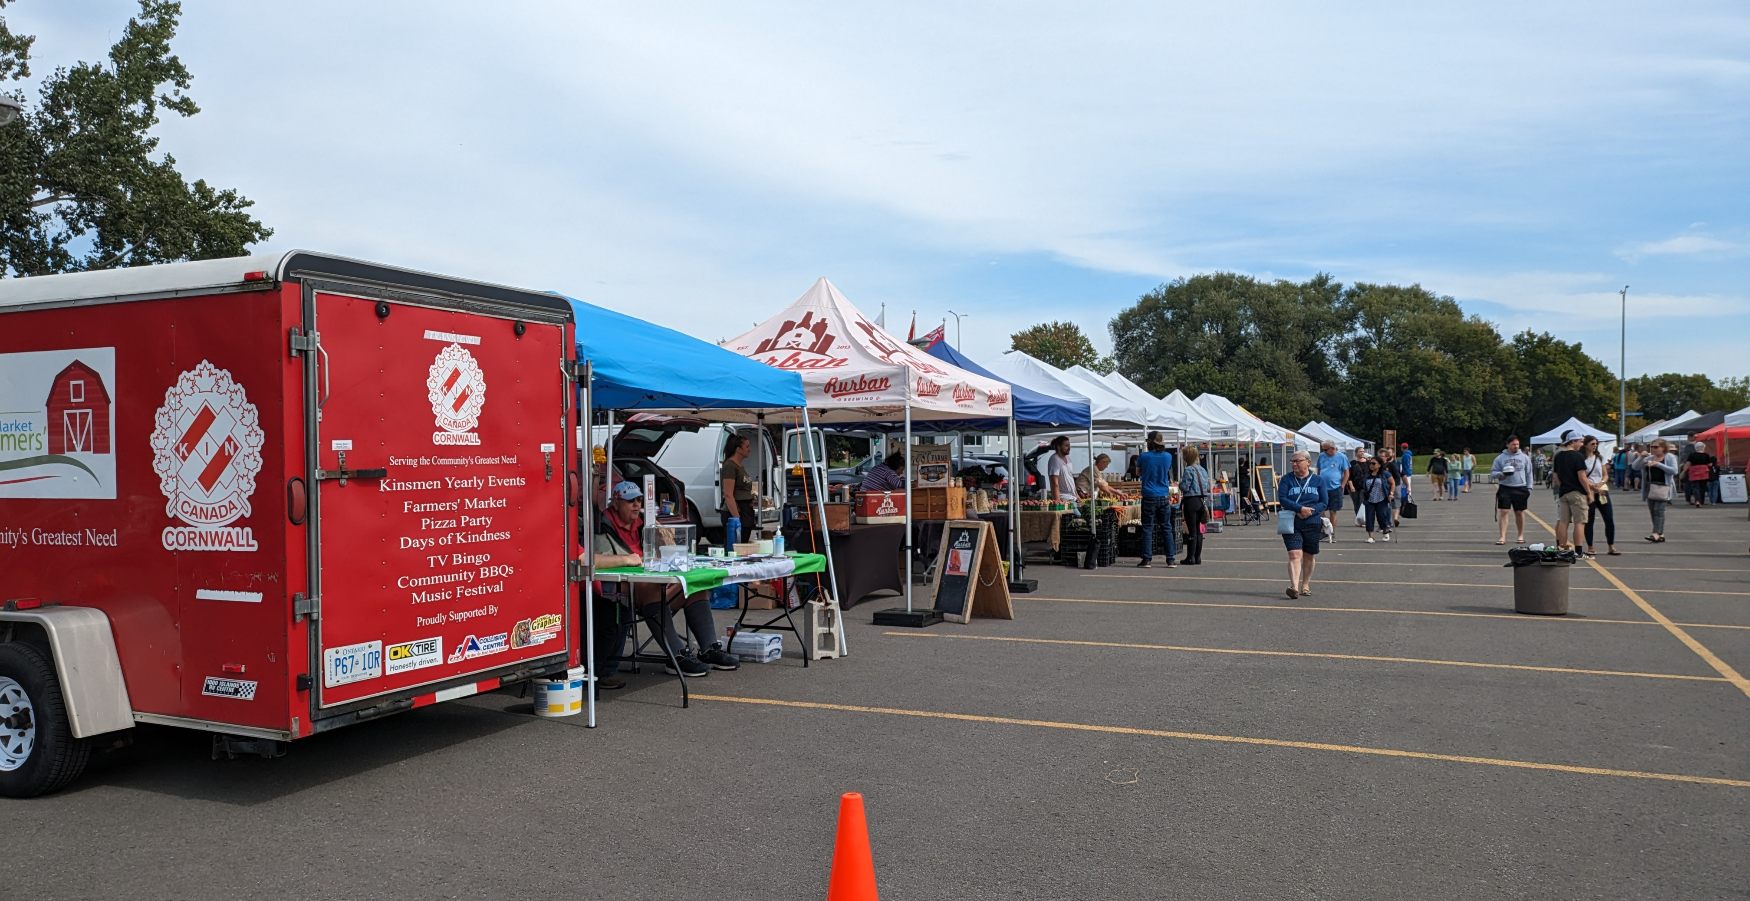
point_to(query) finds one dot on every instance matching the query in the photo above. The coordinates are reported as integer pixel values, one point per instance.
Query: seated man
(885, 476)
(618, 541)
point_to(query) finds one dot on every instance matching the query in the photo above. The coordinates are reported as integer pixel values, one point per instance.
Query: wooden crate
(939, 503)
(838, 517)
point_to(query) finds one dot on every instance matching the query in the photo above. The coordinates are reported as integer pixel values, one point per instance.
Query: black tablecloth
(867, 559)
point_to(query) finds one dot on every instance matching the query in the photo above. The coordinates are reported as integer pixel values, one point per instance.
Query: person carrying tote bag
(1658, 487)
(1303, 498)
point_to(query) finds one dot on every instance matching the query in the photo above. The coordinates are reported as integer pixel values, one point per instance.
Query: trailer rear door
(443, 530)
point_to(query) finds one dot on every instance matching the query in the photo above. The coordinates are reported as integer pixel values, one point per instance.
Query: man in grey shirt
(1512, 477)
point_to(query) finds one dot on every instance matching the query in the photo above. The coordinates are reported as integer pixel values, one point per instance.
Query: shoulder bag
(1658, 482)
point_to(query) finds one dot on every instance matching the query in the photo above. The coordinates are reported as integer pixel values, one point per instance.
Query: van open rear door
(441, 528)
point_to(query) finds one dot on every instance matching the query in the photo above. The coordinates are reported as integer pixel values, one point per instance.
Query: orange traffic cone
(853, 868)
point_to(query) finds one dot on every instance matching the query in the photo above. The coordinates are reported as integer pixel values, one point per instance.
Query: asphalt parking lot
(1130, 734)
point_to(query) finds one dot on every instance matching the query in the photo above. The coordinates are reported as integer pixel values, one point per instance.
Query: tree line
(1366, 357)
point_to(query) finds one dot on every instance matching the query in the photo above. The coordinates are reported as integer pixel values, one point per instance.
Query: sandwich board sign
(969, 574)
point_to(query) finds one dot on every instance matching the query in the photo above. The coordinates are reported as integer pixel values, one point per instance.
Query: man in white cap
(1573, 490)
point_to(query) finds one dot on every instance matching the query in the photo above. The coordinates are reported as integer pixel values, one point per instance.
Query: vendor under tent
(1649, 432)
(631, 364)
(854, 371)
(1606, 440)
(1034, 410)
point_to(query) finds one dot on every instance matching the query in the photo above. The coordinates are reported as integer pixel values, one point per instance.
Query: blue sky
(699, 164)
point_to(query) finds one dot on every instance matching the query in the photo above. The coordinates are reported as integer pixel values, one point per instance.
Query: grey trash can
(1541, 588)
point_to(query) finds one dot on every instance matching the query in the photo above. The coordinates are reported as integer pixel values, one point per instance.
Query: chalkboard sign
(969, 573)
(1266, 476)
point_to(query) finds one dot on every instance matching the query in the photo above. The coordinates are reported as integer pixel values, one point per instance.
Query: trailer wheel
(38, 753)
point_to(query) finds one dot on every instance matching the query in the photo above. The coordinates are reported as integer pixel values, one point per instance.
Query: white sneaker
(1387, 536)
(1370, 539)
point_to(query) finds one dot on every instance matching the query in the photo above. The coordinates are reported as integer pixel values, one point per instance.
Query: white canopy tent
(1741, 417)
(1676, 421)
(1201, 426)
(1161, 416)
(1321, 433)
(1649, 432)
(1358, 442)
(853, 371)
(1606, 440)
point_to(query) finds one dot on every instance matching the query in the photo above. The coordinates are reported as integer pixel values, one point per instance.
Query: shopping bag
(1361, 517)
(1408, 510)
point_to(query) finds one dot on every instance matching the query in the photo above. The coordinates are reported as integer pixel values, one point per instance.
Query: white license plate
(352, 663)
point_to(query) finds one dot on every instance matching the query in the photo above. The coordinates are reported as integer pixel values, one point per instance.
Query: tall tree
(1562, 380)
(82, 184)
(1417, 364)
(1668, 394)
(1061, 344)
(1266, 345)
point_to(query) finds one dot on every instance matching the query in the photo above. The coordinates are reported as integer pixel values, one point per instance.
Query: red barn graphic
(78, 408)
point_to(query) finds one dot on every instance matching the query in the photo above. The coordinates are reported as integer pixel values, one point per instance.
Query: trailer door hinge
(574, 370)
(576, 571)
(304, 605)
(302, 343)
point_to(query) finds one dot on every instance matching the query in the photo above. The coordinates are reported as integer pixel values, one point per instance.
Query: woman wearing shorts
(1302, 496)
(1467, 465)
(1512, 474)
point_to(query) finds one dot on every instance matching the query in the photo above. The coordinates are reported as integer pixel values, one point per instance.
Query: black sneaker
(1146, 564)
(690, 666)
(610, 683)
(719, 658)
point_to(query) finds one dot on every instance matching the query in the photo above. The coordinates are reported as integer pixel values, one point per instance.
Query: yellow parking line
(1707, 656)
(1298, 608)
(1179, 578)
(1366, 658)
(1230, 739)
(1324, 562)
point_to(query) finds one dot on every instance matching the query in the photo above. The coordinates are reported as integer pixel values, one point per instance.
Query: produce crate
(838, 517)
(939, 503)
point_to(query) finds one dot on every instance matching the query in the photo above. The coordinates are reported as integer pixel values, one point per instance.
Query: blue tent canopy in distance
(639, 365)
(1031, 407)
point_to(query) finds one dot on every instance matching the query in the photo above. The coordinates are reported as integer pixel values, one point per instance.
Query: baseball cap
(627, 491)
(1570, 435)
(1406, 444)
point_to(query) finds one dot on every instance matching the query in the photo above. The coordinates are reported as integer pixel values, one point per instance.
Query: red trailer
(271, 496)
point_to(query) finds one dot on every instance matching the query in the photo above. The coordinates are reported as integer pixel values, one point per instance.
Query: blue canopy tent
(638, 365)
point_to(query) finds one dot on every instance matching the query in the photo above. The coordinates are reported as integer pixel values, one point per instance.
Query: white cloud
(1687, 244)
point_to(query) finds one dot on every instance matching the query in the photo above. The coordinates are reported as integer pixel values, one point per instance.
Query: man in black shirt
(1573, 490)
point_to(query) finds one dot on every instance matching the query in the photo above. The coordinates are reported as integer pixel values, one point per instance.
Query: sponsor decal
(964, 393)
(887, 506)
(801, 344)
(225, 594)
(480, 646)
(235, 689)
(997, 399)
(412, 655)
(450, 337)
(206, 449)
(56, 423)
(457, 390)
(531, 632)
(352, 663)
(927, 388)
(862, 384)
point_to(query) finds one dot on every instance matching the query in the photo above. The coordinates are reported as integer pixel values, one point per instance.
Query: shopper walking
(1194, 485)
(1357, 473)
(1632, 464)
(1300, 521)
(1573, 492)
(1598, 474)
(1512, 475)
(1334, 470)
(1619, 466)
(1437, 472)
(1467, 468)
(1697, 470)
(1376, 493)
(1155, 468)
(1658, 485)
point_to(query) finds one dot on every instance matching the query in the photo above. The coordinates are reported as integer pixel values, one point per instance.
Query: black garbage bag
(1524, 556)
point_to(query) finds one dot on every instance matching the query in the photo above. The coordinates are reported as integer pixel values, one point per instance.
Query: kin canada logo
(457, 390)
(801, 344)
(206, 449)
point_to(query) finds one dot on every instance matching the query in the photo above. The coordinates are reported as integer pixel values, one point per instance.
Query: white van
(691, 450)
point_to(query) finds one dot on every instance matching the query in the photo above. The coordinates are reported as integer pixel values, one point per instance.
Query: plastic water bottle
(731, 533)
(778, 545)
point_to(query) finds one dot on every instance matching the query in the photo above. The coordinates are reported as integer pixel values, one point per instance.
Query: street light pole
(957, 318)
(1622, 378)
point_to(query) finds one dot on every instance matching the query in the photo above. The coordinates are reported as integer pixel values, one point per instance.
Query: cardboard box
(939, 503)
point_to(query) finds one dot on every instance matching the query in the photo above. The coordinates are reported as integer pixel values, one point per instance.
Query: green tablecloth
(705, 579)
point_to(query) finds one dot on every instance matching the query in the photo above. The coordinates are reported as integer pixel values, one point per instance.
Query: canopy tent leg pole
(1093, 499)
(586, 503)
(830, 608)
(1017, 571)
(905, 544)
